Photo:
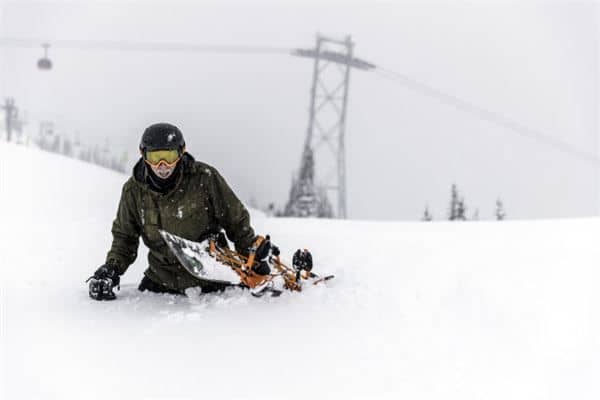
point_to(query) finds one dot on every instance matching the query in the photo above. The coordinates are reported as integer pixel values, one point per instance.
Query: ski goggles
(167, 157)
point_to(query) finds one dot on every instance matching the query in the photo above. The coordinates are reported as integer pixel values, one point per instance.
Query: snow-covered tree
(458, 209)
(67, 147)
(500, 213)
(426, 215)
(453, 212)
(461, 211)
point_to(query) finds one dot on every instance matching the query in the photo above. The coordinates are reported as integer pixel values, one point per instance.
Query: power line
(487, 115)
(480, 112)
(142, 46)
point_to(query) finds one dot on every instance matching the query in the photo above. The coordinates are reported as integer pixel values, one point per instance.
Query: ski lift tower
(323, 156)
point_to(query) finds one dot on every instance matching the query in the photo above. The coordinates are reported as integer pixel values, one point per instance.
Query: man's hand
(302, 260)
(103, 281)
(108, 270)
(262, 252)
(262, 255)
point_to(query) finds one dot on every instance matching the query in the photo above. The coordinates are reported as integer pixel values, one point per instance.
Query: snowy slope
(418, 310)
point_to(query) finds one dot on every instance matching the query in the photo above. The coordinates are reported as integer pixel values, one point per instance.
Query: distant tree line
(53, 142)
(457, 210)
(49, 140)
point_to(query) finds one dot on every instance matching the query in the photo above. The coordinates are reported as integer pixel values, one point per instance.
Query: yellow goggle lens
(156, 156)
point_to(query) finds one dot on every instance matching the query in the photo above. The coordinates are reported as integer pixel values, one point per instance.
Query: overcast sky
(535, 63)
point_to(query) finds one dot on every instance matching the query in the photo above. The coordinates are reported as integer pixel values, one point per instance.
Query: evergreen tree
(55, 147)
(500, 213)
(96, 159)
(461, 211)
(67, 147)
(427, 215)
(458, 209)
(453, 213)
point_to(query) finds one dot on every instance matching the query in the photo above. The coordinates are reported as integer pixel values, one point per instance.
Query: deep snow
(478, 310)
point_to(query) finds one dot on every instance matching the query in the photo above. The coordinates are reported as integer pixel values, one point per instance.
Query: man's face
(162, 170)
(162, 162)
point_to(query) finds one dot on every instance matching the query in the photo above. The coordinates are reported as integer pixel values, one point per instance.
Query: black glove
(109, 270)
(262, 268)
(103, 281)
(302, 260)
(263, 250)
(275, 250)
(262, 253)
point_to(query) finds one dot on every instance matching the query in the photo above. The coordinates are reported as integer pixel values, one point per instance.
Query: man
(172, 191)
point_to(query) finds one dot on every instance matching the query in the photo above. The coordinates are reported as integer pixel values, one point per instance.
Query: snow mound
(417, 310)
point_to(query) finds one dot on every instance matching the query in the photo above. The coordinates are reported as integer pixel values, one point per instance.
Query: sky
(534, 63)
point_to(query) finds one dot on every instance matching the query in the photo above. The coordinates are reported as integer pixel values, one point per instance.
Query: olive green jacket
(200, 203)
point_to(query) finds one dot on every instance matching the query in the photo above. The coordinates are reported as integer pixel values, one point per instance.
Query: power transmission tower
(324, 146)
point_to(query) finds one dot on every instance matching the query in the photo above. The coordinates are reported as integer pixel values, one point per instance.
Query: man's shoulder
(200, 168)
(130, 185)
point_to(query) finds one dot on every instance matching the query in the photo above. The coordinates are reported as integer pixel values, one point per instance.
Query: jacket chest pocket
(184, 214)
(188, 219)
(151, 224)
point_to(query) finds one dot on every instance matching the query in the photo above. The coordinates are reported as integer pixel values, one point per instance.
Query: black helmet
(162, 136)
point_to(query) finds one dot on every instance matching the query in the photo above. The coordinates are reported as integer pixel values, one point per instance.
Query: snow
(203, 264)
(477, 310)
